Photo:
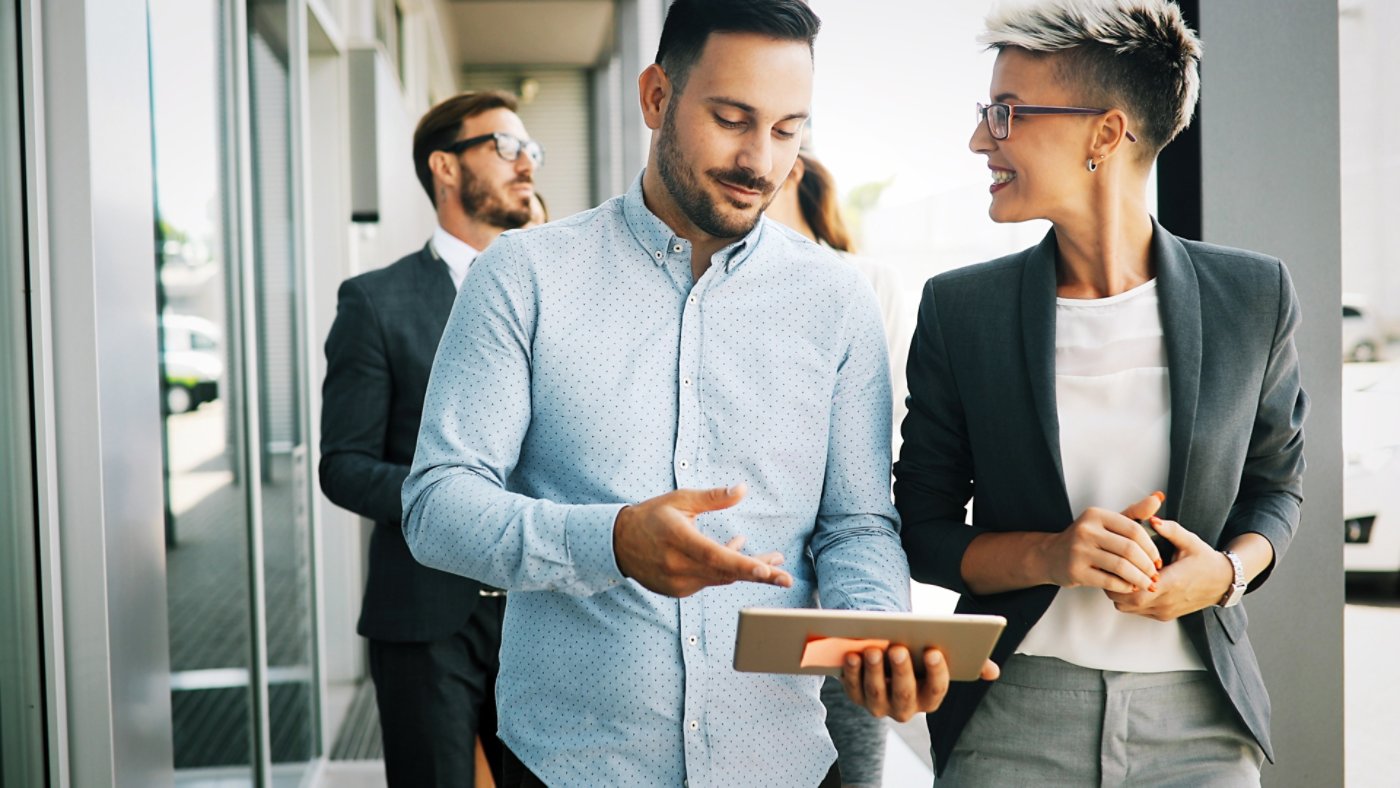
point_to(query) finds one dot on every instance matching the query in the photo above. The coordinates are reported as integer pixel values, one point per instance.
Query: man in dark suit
(433, 637)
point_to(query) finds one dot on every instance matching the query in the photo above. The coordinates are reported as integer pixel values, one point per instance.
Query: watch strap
(1238, 585)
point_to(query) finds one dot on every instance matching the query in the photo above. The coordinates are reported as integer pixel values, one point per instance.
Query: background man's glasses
(998, 116)
(508, 146)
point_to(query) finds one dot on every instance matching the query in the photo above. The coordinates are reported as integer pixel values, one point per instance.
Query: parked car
(1362, 338)
(193, 365)
(1371, 476)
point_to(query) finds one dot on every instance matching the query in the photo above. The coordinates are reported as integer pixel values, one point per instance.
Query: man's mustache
(744, 180)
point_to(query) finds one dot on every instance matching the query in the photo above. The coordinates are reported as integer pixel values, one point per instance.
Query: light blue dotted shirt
(581, 370)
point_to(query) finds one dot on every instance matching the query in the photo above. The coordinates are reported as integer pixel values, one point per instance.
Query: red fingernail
(1156, 520)
(1160, 496)
(1153, 588)
(1157, 563)
(1134, 589)
(1155, 578)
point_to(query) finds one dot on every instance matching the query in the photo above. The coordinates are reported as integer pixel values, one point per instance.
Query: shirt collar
(458, 254)
(659, 241)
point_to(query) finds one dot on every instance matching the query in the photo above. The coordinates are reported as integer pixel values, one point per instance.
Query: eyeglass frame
(984, 117)
(461, 146)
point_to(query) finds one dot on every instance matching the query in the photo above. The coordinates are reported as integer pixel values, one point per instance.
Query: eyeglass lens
(510, 148)
(998, 120)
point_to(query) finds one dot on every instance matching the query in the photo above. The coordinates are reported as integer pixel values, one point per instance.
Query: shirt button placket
(688, 415)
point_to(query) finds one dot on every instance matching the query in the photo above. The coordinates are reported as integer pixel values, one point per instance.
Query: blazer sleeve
(933, 477)
(355, 404)
(1271, 485)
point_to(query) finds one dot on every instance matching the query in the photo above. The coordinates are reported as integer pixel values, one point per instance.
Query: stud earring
(1091, 164)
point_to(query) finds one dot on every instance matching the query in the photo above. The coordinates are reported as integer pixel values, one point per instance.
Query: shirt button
(685, 381)
(685, 464)
(677, 248)
(692, 640)
(695, 725)
(660, 255)
(692, 299)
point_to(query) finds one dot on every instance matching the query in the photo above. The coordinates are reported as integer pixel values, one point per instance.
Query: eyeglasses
(998, 116)
(508, 146)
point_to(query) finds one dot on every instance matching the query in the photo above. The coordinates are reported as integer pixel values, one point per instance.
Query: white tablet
(815, 642)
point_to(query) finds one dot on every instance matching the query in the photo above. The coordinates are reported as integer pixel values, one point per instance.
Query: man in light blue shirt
(672, 348)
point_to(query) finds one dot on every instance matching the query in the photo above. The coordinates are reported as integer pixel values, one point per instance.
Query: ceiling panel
(532, 32)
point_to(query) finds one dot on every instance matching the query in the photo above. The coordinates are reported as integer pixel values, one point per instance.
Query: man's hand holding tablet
(873, 653)
(899, 693)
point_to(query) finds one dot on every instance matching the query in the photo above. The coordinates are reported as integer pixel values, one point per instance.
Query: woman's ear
(799, 168)
(1111, 133)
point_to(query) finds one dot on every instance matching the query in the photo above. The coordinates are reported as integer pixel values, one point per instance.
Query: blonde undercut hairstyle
(1136, 55)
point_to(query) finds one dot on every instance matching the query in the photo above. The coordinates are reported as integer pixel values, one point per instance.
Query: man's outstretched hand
(657, 544)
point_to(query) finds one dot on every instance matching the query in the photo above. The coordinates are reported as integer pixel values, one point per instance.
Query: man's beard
(697, 205)
(482, 203)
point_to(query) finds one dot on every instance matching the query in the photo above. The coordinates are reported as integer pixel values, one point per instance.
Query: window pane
(280, 295)
(206, 496)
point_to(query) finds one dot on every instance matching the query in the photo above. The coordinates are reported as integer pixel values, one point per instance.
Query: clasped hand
(1111, 551)
(657, 544)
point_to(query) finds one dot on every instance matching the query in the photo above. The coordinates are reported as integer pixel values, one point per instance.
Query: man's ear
(444, 166)
(654, 89)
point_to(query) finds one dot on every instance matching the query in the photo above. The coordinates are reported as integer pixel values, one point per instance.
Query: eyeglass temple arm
(1034, 109)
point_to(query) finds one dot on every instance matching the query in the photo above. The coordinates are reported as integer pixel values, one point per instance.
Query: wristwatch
(1238, 585)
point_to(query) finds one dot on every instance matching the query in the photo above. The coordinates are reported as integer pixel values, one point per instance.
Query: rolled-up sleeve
(1271, 485)
(458, 515)
(859, 561)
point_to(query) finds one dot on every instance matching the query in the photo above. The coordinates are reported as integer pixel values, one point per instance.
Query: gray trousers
(1046, 722)
(859, 737)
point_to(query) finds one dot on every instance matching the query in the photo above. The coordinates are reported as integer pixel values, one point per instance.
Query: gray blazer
(982, 421)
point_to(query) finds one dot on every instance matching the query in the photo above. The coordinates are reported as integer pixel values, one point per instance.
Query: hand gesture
(1198, 578)
(901, 694)
(657, 544)
(1107, 550)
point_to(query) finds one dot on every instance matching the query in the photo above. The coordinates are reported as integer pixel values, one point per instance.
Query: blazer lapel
(438, 291)
(1038, 335)
(1180, 309)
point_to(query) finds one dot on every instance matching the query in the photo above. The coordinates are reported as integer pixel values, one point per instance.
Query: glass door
(22, 718)
(232, 293)
(280, 295)
(207, 497)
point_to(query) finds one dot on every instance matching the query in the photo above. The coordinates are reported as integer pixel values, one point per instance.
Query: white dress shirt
(458, 254)
(1114, 404)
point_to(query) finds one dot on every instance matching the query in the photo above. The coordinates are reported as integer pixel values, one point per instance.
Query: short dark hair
(442, 124)
(689, 24)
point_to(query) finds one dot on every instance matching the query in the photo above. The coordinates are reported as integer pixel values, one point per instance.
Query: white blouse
(1114, 404)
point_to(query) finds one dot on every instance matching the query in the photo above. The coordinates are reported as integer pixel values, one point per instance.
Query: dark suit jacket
(983, 422)
(378, 357)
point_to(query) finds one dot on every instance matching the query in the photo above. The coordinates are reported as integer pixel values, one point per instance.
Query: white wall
(1370, 152)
